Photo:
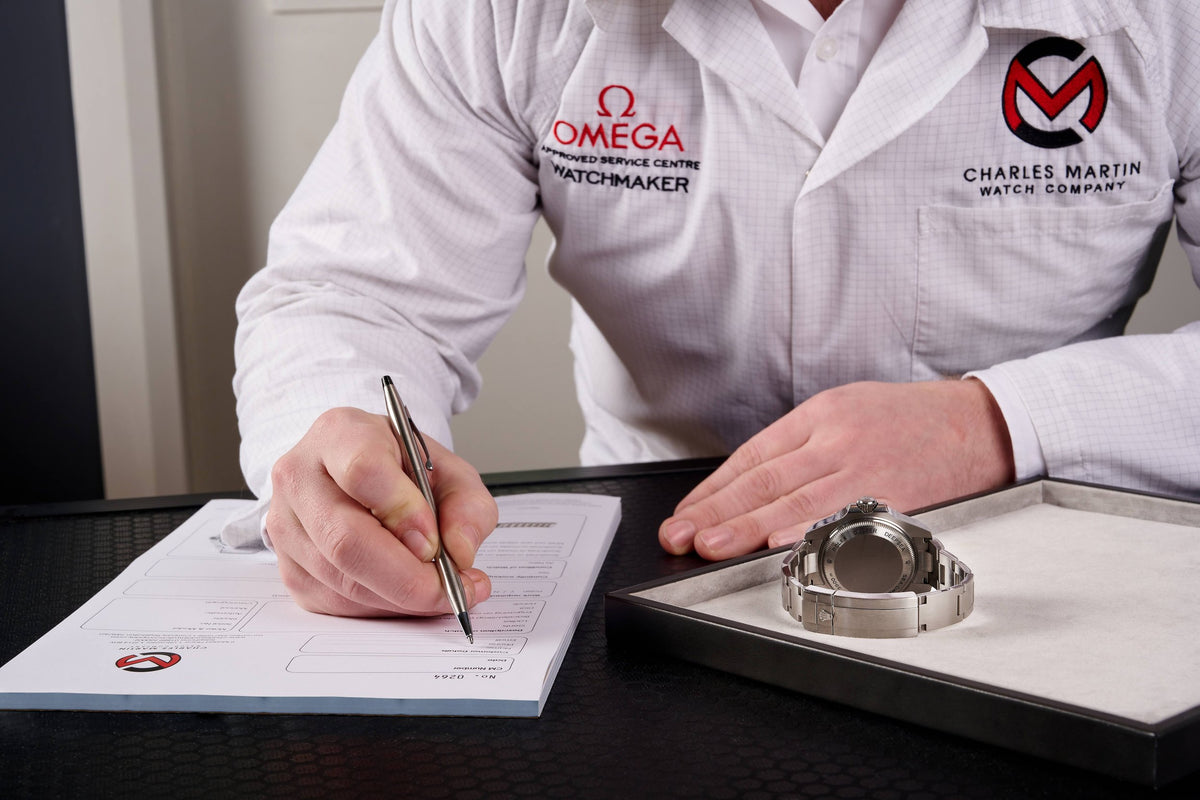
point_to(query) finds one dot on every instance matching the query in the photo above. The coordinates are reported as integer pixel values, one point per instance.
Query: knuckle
(406, 592)
(703, 514)
(329, 591)
(764, 483)
(354, 592)
(801, 505)
(285, 474)
(752, 453)
(748, 528)
(346, 556)
(341, 547)
(333, 420)
(824, 403)
(276, 522)
(358, 472)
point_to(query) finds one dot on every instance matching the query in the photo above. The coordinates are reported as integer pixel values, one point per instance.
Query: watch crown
(867, 505)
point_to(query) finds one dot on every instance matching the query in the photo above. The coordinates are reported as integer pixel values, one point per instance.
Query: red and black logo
(1087, 78)
(147, 662)
(615, 105)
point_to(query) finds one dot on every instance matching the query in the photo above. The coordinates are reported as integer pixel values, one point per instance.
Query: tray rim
(1147, 753)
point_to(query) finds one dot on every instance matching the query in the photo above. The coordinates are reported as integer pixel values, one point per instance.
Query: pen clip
(411, 440)
(420, 438)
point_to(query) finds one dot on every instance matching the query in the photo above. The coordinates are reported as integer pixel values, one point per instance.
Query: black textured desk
(617, 724)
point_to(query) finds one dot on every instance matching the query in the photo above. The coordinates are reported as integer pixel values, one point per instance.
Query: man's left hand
(911, 444)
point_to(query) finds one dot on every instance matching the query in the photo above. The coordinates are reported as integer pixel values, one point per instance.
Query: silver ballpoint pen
(407, 434)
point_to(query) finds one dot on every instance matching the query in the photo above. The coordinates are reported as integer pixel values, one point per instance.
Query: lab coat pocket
(996, 284)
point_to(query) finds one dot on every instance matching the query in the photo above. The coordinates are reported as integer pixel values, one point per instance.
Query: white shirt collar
(800, 12)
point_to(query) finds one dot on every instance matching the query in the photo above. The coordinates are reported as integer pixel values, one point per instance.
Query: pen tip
(471, 638)
(387, 380)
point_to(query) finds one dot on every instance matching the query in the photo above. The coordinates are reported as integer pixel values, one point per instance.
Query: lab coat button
(827, 48)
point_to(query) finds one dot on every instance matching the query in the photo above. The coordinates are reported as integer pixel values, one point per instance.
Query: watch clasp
(866, 616)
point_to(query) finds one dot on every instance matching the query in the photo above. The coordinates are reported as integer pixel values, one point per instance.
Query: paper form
(193, 626)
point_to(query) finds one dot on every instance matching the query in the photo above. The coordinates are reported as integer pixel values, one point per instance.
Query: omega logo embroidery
(613, 131)
(572, 148)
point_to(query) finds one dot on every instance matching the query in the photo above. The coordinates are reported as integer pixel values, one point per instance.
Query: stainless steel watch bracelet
(951, 598)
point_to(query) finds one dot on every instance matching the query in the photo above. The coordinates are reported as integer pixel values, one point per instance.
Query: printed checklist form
(192, 625)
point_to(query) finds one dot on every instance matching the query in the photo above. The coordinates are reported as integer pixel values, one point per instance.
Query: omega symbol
(603, 101)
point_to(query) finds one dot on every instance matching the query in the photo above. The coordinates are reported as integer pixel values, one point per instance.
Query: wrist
(993, 443)
(1028, 459)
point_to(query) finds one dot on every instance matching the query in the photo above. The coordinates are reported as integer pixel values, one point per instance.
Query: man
(788, 237)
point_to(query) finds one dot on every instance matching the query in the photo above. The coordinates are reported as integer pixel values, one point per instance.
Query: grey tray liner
(1085, 597)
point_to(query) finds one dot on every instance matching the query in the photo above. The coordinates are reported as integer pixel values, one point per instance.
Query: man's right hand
(353, 533)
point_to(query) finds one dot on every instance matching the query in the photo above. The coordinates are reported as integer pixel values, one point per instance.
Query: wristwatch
(872, 572)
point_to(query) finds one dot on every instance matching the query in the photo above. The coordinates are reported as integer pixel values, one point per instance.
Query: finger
(756, 488)
(362, 457)
(317, 595)
(785, 519)
(477, 584)
(795, 533)
(362, 551)
(314, 594)
(764, 486)
(467, 512)
(788, 433)
(368, 567)
(315, 583)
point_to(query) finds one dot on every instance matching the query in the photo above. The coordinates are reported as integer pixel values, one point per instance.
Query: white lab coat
(735, 263)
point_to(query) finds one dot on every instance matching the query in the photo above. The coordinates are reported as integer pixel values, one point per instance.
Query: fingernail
(716, 540)
(679, 534)
(477, 586)
(786, 537)
(420, 546)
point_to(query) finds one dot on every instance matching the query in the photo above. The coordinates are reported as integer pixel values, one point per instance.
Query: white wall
(126, 241)
(1173, 300)
(246, 95)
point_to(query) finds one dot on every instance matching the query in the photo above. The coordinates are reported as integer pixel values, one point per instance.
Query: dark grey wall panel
(49, 429)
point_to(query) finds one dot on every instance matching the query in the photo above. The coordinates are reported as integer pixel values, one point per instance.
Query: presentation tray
(1083, 648)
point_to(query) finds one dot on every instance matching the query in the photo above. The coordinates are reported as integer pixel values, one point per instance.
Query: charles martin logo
(1022, 80)
(147, 662)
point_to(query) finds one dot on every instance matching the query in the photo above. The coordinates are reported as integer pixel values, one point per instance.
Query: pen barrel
(407, 435)
(451, 582)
